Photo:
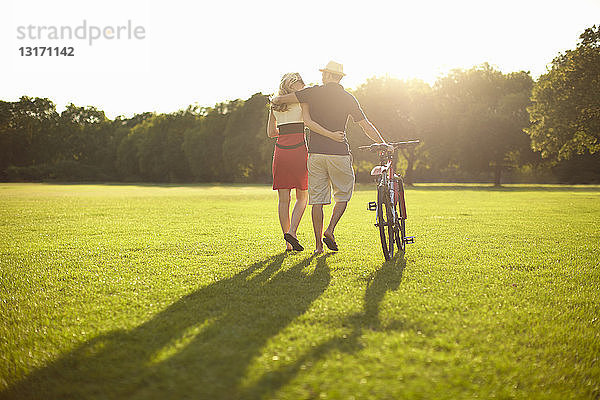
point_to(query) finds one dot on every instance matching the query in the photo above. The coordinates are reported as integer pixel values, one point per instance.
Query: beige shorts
(326, 171)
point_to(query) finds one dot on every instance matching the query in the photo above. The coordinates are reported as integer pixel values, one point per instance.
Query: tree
(160, 146)
(401, 110)
(486, 111)
(89, 142)
(565, 114)
(83, 130)
(27, 132)
(127, 162)
(203, 143)
(245, 147)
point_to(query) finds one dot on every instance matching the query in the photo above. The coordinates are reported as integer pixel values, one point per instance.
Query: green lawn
(135, 292)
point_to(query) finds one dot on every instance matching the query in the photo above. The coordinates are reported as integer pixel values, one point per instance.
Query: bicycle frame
(386, 173)
(390, 213)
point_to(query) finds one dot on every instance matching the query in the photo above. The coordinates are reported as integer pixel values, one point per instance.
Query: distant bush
(68, 170)
(29, 173)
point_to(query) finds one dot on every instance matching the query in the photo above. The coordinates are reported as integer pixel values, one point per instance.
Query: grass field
(135, 292)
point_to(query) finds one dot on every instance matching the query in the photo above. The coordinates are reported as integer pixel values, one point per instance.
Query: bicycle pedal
(372, 206)
(409, 239)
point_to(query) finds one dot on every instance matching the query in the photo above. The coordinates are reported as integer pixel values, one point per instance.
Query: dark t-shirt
(329, 107)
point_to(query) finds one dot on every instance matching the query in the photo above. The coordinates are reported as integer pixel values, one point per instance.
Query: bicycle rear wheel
(385, 222)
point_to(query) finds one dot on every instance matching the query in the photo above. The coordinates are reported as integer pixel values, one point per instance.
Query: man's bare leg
(317, 220)
(338, 211)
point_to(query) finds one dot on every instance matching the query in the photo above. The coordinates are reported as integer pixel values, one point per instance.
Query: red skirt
(289, 168)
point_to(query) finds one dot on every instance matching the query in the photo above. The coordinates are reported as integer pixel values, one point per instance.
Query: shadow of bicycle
(386, 279)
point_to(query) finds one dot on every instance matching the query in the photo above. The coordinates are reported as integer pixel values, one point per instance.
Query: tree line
(475, 125)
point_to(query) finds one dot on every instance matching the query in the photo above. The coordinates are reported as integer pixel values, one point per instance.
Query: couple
(326, 164)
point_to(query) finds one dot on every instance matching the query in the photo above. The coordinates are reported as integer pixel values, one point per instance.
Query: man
(330, 161)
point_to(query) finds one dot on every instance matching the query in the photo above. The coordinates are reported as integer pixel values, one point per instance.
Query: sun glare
(209, 54)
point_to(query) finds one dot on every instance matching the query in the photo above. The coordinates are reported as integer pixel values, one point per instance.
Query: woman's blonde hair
(285, 87)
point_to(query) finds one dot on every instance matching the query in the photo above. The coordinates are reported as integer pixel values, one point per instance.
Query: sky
(205, 52)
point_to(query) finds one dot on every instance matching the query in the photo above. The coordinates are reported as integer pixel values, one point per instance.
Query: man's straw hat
(334, 68)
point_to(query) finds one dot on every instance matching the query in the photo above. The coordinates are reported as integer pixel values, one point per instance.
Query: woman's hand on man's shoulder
(338, 136)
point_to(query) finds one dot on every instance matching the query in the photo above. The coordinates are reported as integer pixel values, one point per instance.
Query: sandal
(293, 241)
(330, 243)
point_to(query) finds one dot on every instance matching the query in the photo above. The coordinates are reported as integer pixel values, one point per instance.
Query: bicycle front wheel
(385, 222)
(400, 226)
(400, 231)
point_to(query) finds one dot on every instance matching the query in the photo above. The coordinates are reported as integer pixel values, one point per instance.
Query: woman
(286, 123)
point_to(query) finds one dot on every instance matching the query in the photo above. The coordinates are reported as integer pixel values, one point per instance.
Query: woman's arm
(337, 136)
(285, 99)
(272, 130)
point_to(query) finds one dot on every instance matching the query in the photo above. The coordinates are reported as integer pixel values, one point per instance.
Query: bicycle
(390, 207)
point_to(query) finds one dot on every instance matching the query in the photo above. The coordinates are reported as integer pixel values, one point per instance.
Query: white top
(292, 115)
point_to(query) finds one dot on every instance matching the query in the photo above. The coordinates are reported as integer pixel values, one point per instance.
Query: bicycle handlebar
(384, 146)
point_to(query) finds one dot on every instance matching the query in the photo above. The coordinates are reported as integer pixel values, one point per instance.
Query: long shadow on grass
(199, 347)
(387, 278)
